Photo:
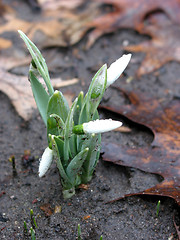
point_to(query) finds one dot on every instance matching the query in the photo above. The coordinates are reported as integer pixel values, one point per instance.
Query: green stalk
(33, 237)
(38, 60)
(158, 207)
(25, 227)
(79, 232)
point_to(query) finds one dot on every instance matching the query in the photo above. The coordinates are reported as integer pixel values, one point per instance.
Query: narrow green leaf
(78, 108)
(33, 237)
(25, 227)
(75, 165)
(57, 105)
(79, 232)
(59, 145)
(99, 150)
(39, 61)
(83, 116)
(69, 120)
(95, 154)
(157, 208)
(96, 91)
(94, 95)
(91, 159)
(68, 130)
(40, 95)
(72, 145)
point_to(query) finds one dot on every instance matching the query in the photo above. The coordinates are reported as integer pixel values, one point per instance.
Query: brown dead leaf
(5, 9)
(55, 4)
(162, 48)
(51, 29)
(163, 155)
(63, 26)
(74, 24)
(123, 129)
(86, 217)
(47, 209)
(5, 43)
(64, 23)
(130, 14)
(18, 88)
(84, 186)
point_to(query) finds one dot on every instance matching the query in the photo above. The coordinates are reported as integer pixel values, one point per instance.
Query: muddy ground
(130, 218)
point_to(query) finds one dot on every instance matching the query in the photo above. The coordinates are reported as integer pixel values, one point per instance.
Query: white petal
(45, 161)
(100, 126)
(116, 68)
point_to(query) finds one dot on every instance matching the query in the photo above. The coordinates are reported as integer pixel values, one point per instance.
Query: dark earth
(132, 218)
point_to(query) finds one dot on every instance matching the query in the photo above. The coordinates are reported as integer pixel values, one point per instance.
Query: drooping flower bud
(45, 161)
(116, 68)
(97, 126)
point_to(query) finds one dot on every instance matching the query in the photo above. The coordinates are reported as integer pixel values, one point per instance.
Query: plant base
(68, 193)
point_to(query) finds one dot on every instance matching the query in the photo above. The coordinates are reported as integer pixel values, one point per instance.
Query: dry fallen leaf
(55, 4)
(86, 217)
(130, 14)
(163, 155)
(162, 48)
(63, 26)
(47, 209)
(64, 23)
(123, 129)
(18, 88)
(5, 43)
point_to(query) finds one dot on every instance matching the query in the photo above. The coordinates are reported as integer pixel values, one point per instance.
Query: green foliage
(157, 208)
(33, 226)
(76, 155)
(38, 65)
(79, 232)
(33, 237)
(33, 221)
(40, 95)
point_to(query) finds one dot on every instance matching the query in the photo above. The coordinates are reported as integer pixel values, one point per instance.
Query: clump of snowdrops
(73, 133)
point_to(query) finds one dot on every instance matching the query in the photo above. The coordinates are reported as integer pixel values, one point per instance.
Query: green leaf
(78, 108)
(73, 145)
(57, 105)
(94, 156)
(33, 237)
(79, 232)
(75, 165)
(38, 61)
(59, 145)
(91, 160)
(68, 130)
(96, 91)
(59, 123)
(40, 95)
(94, 95)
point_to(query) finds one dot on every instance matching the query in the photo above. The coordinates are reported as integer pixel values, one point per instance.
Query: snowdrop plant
(73, 133)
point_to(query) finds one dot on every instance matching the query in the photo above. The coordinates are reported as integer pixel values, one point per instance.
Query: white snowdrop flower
(100, 126)
(45, 161)
(116, 68)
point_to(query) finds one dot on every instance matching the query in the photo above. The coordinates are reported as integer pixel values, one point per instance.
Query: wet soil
(129, 218)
